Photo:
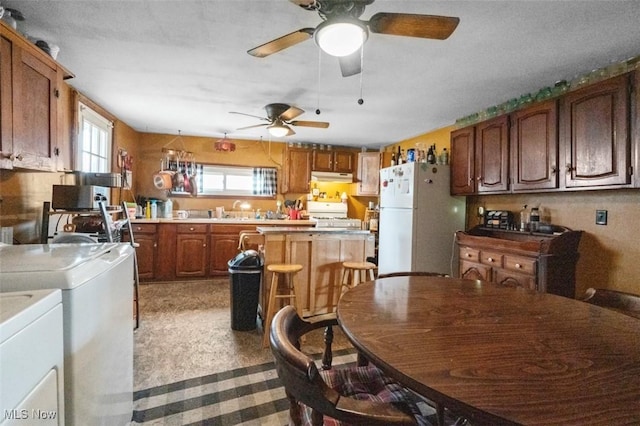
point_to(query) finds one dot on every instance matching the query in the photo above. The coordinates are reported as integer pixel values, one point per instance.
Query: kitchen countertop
(229, 221)
(301, 229)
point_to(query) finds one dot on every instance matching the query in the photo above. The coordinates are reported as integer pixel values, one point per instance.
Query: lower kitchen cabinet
(540, 262)
(224, 240)
(145, 235)
(192, 253)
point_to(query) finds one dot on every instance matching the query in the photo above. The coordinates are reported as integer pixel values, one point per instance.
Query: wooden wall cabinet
(583, 140)
(192, 252)
(463, 166)
(368, 174)
(480, 158)
(540, 262)
(596, 126)
(298, 170)
(332, 161)
(534, 147)
(29, 103)
(492, 155)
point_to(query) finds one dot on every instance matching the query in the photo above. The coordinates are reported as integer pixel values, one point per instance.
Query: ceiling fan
(279, 117)
(343, 34)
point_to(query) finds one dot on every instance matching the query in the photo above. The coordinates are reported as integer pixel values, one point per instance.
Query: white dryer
(96, 281)
(31, 358)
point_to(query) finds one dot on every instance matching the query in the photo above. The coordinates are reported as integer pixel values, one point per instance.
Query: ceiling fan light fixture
(278, 130)
(341, 37)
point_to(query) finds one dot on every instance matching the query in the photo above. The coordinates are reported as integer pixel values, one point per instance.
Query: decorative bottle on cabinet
(534, 219)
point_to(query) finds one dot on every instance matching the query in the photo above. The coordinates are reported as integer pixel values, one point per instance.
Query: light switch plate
(601, 217)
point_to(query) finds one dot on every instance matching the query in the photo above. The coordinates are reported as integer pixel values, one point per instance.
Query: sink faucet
(243, 205)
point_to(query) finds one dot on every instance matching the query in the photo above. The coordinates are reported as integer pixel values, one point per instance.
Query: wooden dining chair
(354, 395)
(625, 303)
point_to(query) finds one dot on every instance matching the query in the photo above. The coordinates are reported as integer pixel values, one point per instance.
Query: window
(94, 141)
(237, 181)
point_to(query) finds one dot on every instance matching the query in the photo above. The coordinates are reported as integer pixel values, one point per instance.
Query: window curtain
(265, 181)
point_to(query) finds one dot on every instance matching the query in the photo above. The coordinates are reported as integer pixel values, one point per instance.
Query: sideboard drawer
(521, 264)
(491, 258)
(470, 254)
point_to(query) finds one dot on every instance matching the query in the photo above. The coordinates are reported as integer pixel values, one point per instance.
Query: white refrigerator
(418, 219)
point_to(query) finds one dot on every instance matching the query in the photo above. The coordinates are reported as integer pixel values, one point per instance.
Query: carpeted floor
(191, 368)
(185, 352)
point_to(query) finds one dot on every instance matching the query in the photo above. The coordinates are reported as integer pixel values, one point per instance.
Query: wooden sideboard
(541, 262)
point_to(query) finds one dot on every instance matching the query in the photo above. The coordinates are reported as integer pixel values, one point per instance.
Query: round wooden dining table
(499, 355)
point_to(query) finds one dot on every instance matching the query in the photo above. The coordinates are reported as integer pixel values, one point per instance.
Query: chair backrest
(250, 237)
(415, 274)
(302, 380)
(625, 303)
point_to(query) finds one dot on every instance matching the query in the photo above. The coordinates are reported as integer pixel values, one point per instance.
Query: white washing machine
(96, 281)
(31, 358)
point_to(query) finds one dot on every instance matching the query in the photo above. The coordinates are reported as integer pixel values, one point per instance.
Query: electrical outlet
(601, 217)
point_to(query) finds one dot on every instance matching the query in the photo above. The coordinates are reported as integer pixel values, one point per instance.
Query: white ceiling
(169, 66)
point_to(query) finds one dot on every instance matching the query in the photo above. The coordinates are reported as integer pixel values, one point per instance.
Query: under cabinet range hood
(331, 177)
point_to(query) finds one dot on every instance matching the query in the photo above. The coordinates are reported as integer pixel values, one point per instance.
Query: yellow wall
(440, 137)
(609, 255)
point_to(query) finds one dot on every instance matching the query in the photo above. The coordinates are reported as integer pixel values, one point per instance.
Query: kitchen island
(321, 252)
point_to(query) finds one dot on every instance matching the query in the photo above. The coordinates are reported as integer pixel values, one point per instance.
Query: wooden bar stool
(288, 271)
(353, 273)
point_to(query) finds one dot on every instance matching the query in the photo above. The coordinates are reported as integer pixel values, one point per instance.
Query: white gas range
(328, 214)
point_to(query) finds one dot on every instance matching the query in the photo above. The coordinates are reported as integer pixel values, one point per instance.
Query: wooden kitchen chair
(625, 303)
(250, 239)
(354, 395)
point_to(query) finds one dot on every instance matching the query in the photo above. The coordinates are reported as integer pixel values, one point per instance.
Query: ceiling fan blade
(412, 25)
(290, 132)
(318, 124)
(351, 64)
(281, 43)
(249, 115)
(251, 127)
(291, 113)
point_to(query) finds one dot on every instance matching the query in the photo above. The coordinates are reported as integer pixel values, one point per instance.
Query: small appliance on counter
(78, 197)
(501, 219)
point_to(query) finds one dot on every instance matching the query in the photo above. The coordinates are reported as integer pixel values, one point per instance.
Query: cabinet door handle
(191, 229)
(204, 245)
(570, 168)
(468, 254)
(490, 259)
(554, 170)
(155, 244)
(518, 266)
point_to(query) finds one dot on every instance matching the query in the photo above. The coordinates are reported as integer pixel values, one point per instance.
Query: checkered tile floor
(244, 396)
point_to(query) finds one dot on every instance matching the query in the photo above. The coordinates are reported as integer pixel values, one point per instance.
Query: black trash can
(245, 274)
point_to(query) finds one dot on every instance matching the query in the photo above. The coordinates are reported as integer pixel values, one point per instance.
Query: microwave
(78, 197)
